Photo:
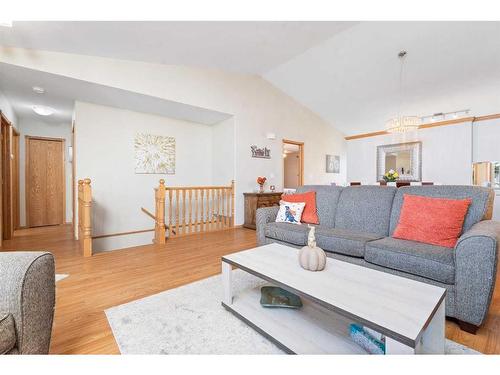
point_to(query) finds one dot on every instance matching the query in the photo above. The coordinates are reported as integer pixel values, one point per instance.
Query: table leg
(395, 347)
(226, 283)
(433, 338)
(431, 342)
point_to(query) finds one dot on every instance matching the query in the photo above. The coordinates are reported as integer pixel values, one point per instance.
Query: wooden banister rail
(192, 209)
(85, 216)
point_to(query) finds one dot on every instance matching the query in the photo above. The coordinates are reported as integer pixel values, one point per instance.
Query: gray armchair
(27, 299)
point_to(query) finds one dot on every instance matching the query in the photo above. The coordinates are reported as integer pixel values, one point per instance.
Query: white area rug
(60, 276)
(191, 320)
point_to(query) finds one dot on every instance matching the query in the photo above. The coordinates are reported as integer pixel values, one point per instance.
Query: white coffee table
(409, 313)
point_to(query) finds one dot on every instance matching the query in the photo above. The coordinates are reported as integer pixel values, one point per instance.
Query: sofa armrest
(27, 291)
(475, 270)
(263, 216)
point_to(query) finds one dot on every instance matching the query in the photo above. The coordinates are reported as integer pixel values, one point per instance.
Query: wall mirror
(404, 158)
(487, 174)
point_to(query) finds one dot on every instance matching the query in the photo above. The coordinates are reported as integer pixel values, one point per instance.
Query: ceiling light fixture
(43, 110)
(6, 23)
(444, 116)
(38, 89)
(402, 124)
(438, 117)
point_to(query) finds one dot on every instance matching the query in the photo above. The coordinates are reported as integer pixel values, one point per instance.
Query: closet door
(45, 190)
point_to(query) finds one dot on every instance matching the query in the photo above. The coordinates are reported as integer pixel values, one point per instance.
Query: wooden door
(298, 157)
(45, 185)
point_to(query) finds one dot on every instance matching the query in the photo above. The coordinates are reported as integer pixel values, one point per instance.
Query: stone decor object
(311, 257)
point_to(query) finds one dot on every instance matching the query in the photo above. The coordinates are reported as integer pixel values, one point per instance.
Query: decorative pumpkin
(311, 257)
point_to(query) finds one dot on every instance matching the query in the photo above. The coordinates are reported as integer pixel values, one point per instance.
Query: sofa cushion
(310, 214)
(14, 351)
(343, 241)
(293, 233)
(436, 221)
(7, 333)
(365, 209)
(327, 198)
(290, 212)
(479, 208)
(429, 261)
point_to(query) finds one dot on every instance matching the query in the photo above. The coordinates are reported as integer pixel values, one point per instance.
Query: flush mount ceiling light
(402, 124)
(38, 89)
(43, 110)
(6, 23)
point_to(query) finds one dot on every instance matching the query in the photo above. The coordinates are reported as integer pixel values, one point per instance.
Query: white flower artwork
(154, 154)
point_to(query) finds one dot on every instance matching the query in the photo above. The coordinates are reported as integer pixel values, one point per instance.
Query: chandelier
(402, 124)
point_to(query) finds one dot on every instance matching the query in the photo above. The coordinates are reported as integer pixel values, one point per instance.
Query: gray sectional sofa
(27, 298)
(356, 224)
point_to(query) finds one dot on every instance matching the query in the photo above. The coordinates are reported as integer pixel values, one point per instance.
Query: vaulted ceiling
(352, 79)
(347, 72)
(244, 47)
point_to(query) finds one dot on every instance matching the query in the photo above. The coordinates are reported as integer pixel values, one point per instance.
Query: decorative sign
(154, 154)
(263, 153)
(332, 164)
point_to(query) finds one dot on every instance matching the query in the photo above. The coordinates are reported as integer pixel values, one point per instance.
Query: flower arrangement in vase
(261, 181)
(391, 176)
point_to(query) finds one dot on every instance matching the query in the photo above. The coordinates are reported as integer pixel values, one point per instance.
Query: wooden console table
(258, 200)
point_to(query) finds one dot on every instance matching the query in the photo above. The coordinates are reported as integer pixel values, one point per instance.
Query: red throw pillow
(309, 215)
(436, 221)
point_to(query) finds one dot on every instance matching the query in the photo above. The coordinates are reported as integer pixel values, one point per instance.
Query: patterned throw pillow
(310, 214)
(290, 212)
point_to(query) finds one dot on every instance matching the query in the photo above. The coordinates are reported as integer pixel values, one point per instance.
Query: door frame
(301, 160)
(6, 129)
(16, 187)
(27, 182)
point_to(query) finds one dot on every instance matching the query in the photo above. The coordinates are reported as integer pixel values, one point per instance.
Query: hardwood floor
(113, 278)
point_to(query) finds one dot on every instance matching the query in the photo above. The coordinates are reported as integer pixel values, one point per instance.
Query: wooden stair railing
(192, 209)
(148, 213)
(85, 217)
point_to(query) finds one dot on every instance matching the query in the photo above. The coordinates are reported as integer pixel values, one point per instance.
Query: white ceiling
(61, 93)
(347, 72)
(245, 47)
(351, 80)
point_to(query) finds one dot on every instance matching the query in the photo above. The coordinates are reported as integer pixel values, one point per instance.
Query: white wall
(257, 106)
(28, 126)
(446, 153)
(487, 140)
(223, 161)
(104, 152)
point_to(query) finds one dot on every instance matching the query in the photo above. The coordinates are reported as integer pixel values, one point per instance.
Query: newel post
(85, 216)
(160, 213)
